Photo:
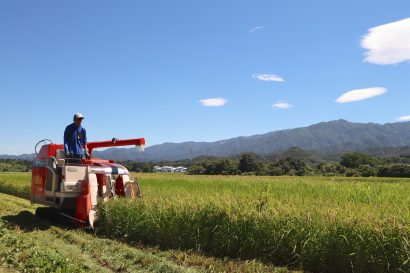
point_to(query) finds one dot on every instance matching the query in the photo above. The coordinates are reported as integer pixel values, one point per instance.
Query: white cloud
(282, 105)
(268, 77)
(388, 44)
(403, 118)
(214, 102)
(255, 29)
(361, 94)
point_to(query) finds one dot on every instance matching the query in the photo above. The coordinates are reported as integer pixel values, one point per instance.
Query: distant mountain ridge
(326, 137)
(18, 157)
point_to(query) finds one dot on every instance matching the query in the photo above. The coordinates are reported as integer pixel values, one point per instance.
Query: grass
(16, 183)
(319, 224)
(315, 223)
(28, 244)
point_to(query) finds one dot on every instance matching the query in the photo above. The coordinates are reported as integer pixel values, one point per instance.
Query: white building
(181, 169)
(156, 169)
(169, 169)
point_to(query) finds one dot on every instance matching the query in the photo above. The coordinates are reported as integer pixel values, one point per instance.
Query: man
(75, 139)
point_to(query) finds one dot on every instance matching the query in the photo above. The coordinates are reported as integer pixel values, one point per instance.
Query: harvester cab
(72, 189)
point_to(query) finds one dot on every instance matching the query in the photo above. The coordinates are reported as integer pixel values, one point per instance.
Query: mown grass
(22, 254)
(29, 244)
(321, 224)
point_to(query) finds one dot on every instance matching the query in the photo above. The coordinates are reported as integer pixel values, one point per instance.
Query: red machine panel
(39, 170)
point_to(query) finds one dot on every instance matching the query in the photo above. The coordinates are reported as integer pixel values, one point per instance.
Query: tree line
(349, 164)
(15, 165)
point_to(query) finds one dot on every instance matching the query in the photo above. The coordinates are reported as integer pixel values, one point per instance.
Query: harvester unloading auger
(72, 189)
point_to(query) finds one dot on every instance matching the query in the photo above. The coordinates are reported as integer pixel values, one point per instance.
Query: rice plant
(315, 223)
(320, 224)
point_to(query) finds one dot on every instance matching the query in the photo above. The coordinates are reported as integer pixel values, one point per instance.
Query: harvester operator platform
(75, 139)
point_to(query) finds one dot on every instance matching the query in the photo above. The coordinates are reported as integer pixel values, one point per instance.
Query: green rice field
(316, 224)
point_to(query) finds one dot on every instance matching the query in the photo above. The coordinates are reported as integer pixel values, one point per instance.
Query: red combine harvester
(72, 188)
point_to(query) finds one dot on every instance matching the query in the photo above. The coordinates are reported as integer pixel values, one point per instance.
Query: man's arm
(66, 139)
(87, 155)
(85, 137)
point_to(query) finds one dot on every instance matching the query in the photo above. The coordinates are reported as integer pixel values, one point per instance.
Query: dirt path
(30, 244)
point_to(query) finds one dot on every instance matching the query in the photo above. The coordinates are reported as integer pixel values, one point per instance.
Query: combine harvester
(72, 188)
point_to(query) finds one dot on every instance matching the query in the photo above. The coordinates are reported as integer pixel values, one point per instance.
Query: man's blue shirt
(75, 138)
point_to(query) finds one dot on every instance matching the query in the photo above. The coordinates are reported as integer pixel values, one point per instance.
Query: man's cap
(78, 116)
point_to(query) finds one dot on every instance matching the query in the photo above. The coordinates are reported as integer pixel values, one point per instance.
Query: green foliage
(287, 166)
(274, 170)
(367, 170)
(223, 166)
(13, 165)
(354, 160)
(198, 168)
(247, 163)
(394, 170)
(330, 168)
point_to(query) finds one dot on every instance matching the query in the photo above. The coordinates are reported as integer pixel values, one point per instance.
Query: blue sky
(152, 68)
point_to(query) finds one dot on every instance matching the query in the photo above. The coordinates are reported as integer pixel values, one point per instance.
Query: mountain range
(332, 137)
